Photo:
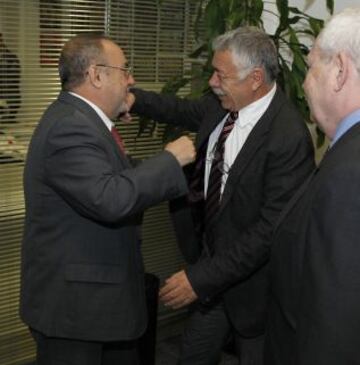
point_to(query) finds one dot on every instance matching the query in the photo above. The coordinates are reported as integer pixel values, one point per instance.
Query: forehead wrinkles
(224, 57)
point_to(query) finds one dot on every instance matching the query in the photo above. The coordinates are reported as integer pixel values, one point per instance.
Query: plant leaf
(283, 9)
(214, 19)
(316, 25)
(256, 11)
(174, 84)
(295, 10)
(198, 51)
(146, 123)
(330, 6)
(294, 19)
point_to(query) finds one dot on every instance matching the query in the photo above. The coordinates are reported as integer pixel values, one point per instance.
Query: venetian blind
(156, 41)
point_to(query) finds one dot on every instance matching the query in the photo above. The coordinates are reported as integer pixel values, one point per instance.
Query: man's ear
(95, 76)
(341, 64)
(258, 77)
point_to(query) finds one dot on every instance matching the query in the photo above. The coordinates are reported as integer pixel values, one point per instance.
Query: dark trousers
(60, 351)
(207, 331)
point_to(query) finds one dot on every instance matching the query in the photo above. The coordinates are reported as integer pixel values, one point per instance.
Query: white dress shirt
(246, 121)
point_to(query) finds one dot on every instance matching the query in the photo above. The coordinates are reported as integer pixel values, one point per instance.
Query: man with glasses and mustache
(254, 151)
(82, 275)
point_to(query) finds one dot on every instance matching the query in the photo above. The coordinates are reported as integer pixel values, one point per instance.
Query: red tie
(118, 139)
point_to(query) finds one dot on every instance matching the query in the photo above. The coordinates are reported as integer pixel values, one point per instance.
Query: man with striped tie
(253, 152)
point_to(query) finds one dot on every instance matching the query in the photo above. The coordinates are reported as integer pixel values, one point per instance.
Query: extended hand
(183, 149)
(177, 291)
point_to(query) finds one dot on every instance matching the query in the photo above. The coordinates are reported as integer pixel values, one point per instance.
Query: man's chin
(224, 103)
(224, 100)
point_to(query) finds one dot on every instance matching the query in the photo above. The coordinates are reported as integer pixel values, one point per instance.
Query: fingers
(183, 149)
(125, 117)
(177, 291)
(175, 298)
(130, 100)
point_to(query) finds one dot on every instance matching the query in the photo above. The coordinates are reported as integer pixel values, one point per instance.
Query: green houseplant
(215, 17)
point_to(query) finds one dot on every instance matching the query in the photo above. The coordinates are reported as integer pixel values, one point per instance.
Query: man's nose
(131, 80)
(214, 80)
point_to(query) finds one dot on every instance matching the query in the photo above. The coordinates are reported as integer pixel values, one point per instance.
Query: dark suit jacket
(315, 266)
(275, 160)
(82, 271)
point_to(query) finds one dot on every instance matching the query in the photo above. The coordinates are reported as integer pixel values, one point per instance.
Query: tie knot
(229, 124)
(230, 120)
(233, 115)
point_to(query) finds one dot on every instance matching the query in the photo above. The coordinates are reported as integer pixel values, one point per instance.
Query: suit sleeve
(329, 300)
(189, 114)
(172, 109)
(83, 169)
(289, 162)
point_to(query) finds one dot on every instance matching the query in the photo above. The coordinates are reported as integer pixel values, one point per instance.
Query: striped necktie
(213, 195)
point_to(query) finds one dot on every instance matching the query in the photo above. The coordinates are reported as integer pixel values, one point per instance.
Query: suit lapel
(196, 182)
(330, 158)
(254, 142)
(95, 119)
(331, 155)
(208, 126)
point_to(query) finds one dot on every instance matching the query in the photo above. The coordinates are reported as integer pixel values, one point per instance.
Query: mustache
(218, 92)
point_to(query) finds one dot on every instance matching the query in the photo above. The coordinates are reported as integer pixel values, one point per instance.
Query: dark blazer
(82, 271)
(315, 266)
(275, 160)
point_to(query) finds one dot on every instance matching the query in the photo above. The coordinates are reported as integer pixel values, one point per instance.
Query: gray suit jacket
(275, 160)
(82, 270)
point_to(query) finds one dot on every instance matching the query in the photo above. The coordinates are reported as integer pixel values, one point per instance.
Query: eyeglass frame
(126, 69)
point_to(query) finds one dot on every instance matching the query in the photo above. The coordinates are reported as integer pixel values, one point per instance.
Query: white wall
(317, 8)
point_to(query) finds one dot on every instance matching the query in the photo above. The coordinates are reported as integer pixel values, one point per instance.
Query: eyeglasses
(125, 69)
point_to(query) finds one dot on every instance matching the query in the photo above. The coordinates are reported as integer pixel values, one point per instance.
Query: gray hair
(251, 48)
(77, 55)
(342, 33)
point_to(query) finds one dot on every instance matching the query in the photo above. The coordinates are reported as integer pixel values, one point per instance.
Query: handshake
(183, 149)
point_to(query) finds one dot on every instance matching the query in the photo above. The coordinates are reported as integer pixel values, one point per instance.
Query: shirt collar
(252, 112)
(345, 125)
(109, 124)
